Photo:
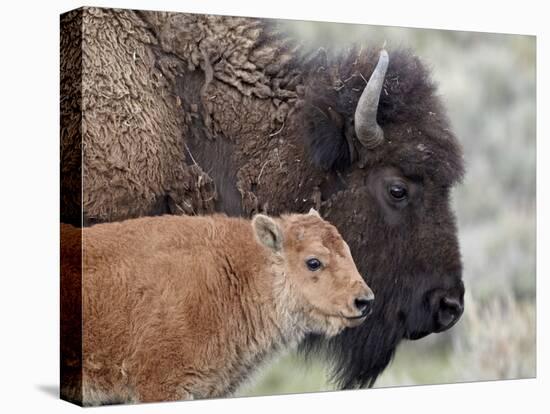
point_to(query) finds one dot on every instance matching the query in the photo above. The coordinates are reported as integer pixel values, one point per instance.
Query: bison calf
(185, 307)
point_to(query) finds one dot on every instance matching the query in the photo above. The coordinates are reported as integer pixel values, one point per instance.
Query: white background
(29, 207)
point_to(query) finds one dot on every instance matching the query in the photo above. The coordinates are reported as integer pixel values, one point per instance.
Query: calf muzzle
(364, 305)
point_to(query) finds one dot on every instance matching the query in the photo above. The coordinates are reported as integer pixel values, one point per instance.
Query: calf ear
(268, 232)
(313, 212)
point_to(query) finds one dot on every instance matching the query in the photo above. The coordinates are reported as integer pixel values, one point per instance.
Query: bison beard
(355, 368)
(267, 124)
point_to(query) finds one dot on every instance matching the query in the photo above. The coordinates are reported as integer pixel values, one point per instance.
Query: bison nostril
(364, 304)
(450, 310)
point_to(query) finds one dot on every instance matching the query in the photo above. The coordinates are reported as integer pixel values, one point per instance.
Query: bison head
(376, 126)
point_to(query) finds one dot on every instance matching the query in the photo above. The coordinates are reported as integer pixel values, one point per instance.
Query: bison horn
(367, 129)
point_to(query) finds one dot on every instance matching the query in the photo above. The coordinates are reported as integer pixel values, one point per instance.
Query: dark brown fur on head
(418, 135)
(409, 253)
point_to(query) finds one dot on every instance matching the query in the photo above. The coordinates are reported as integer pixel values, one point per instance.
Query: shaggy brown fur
(146, 77)
(271, 123)
(71, 117)
(185, 307)
(123, 124)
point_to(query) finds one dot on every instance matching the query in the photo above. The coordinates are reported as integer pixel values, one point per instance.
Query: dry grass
(497, 341)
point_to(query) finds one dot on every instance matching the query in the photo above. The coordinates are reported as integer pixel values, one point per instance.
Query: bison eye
(313, 264)
(398, 192)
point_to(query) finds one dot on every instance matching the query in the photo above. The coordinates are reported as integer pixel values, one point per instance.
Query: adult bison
(192, 114)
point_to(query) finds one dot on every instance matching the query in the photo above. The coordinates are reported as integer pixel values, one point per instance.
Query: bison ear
(325, 133)
(268, 232)
(313, 212)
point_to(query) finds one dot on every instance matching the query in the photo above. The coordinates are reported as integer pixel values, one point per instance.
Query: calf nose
(364, 304)
(449, 312)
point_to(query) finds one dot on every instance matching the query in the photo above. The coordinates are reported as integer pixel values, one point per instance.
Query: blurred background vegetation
(487, 82)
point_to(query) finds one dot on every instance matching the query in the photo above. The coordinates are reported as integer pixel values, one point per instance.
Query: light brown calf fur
(178, 307)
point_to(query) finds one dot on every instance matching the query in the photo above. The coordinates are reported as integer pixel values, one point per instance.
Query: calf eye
(313, 264)
(398, 191)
